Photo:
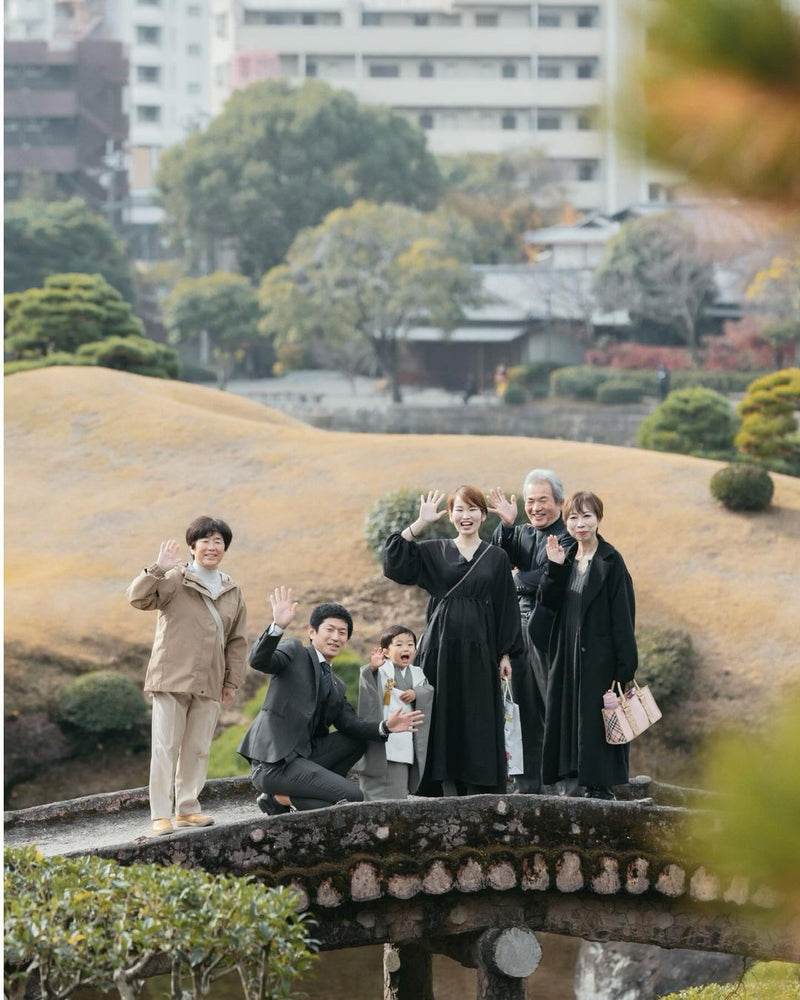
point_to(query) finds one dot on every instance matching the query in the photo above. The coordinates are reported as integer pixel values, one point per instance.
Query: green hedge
(584, 381)
(102, 702)
(619, 391)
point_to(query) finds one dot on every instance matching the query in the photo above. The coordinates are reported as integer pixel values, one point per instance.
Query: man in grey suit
(297, 762)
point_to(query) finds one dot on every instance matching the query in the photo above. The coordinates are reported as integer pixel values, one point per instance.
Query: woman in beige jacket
(197, 663)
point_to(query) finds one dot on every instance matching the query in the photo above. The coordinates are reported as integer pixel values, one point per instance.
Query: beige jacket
(187, 653)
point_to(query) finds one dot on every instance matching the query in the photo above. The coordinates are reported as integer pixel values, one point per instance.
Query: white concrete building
(477, 75)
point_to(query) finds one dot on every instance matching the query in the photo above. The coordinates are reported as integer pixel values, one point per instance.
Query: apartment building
(477, 75)
(167, 44)
(64, 120)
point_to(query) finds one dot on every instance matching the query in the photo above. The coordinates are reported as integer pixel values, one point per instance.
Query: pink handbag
(627, 715)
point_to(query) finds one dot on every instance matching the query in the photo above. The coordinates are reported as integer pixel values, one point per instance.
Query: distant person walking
(197, 664)
(663, 380)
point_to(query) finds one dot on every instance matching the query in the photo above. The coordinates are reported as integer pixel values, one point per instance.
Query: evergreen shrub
(619, 391)
(742, 487)
(102, 702)
(579, 381)
(515, 395)
(196, 373)
(666, 662)
(691, 422)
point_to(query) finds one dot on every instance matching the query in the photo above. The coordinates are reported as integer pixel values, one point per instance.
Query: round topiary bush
(691, 422)
(102, 702)
(665, 662)
(515, 395)
(742, 487)
(619, 391)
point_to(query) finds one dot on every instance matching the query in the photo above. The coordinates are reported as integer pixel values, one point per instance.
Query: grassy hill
(101, 465)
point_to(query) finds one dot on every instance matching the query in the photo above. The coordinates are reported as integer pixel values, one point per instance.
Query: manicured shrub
(691, 422)
(51, 361)
(619, 391)
(515, 395)
(196, 373)
(665, 662)
(578, 381)
(769, 431)
(102, 702)
(134, 354)
(742, 487)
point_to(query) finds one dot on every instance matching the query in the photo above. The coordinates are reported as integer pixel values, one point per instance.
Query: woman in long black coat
(592, 645)
(472, 634)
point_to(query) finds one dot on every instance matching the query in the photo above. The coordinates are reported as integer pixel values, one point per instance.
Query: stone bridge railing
(437, 875)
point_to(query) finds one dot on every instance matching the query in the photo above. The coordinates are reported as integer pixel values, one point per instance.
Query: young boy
(393, 770)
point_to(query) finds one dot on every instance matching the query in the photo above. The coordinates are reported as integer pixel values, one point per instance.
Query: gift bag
(513, 731)
(626, 716)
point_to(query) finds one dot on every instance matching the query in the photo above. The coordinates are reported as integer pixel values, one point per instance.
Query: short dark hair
(392, 633)
(330, 610)
(205, 526)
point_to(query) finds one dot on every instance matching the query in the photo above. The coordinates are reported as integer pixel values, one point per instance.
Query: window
(384, 69)
(549, 20)
(273, 17)
(148, 35)
(585, 122)
(508, 70)
(311, 67)
(586, 19)
(308, 18)
(148, 74)
(486, 20)
(508, 121)
(449, 20)
(194, 89)
(426, 69)
(148, 3)
(548, 121)
(657, 192)
(585, 71)
(421, 20)
(370, 19)
(221, 74)
(426, 120)
(194, 10)
(587, 170)
(148, 113)
(549, 71)
(221, 25)
(193, 49)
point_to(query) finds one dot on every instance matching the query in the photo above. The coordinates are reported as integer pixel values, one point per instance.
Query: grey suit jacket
(286, 725)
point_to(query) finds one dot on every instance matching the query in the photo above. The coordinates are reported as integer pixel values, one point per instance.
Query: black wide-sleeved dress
(460, 654)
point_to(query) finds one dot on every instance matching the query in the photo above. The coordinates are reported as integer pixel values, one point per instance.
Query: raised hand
(404, 722)
(376, 659)
(505, 509)
(168, 553)
(428, 507)
(555, 550)
(283, 606)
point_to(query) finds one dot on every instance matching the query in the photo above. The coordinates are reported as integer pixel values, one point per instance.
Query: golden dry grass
(101, 465)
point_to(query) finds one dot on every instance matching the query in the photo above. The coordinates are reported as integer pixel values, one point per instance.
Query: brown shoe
(161, 827)
(194, 819)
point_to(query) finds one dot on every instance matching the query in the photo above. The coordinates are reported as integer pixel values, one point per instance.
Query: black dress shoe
(268, 804)
(600, 792)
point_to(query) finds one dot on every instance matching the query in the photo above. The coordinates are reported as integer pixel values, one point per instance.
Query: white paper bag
(513, 731)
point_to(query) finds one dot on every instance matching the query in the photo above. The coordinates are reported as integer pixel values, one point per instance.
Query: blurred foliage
(744, 59)
(43, 238)
(764, 981)
(666, 662)
(364, 276)
(224, 761)
(81, 922)
(619, 390)
(134, 354)
(769, 429)
(222, 306)
(691, 422)
(655, 268)
(277, 160)
(753, 830)
(69, 310)
(742, 487)
(102, 702)
(515, 394)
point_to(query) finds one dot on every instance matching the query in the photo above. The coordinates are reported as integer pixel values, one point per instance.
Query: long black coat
(606, 651)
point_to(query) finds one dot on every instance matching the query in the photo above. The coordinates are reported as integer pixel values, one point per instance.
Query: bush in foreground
(742, 487)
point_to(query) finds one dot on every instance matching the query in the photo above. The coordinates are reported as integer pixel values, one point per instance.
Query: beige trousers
(183, 727)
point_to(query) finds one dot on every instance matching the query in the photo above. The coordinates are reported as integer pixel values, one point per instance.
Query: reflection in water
(357, 974)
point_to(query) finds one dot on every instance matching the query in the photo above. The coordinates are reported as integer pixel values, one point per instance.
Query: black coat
(606, 652)
(290, 718)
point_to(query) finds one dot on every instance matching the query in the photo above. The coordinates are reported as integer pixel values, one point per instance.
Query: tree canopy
(656, 270)
(220, 306)
(365, 276)
(277, 160)
(59, 237)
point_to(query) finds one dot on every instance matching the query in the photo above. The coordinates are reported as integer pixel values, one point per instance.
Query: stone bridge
(472, 878)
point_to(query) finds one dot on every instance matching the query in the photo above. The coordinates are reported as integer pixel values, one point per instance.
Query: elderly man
(525, 544)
